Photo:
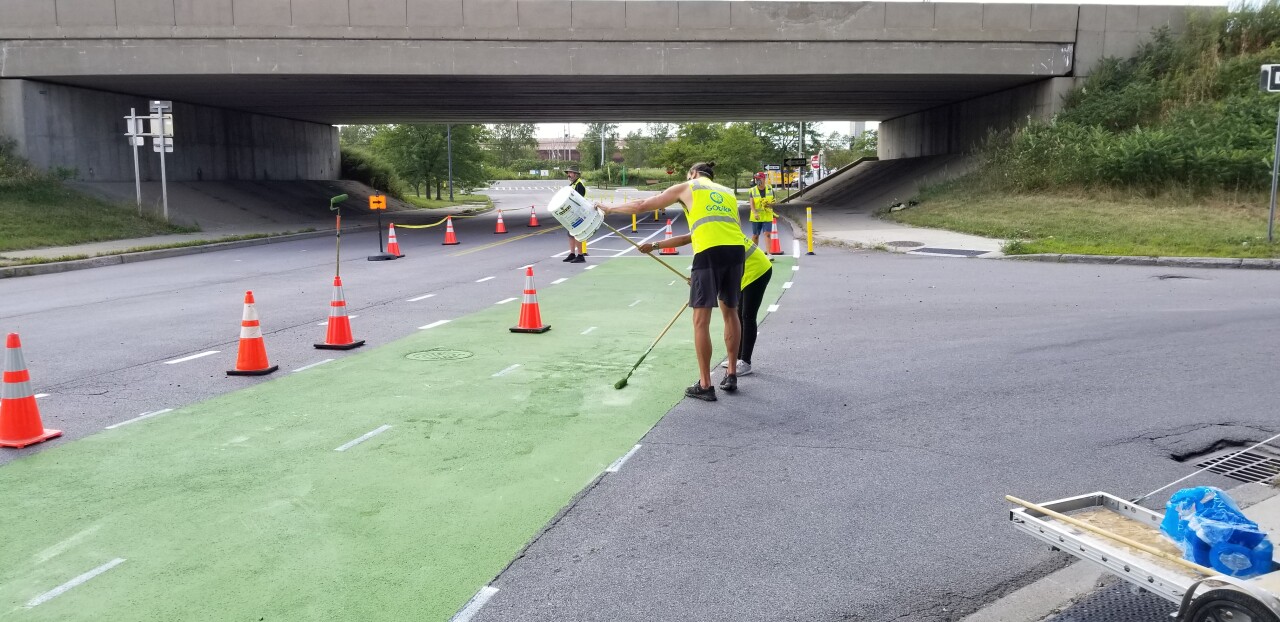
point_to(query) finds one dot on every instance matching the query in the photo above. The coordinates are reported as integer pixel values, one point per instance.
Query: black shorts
(717, 273)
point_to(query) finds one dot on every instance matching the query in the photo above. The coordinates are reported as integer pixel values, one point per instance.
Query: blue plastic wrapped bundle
(1212, 531)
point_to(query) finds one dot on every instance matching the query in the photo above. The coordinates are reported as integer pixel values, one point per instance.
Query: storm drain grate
(1256, 465)
(438, 354)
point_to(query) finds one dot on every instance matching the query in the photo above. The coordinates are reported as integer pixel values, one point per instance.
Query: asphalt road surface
(857, 475)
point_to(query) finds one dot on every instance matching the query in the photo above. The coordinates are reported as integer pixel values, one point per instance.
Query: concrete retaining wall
(83, 130)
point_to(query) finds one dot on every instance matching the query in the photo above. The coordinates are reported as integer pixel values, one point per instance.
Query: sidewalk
(865, 230)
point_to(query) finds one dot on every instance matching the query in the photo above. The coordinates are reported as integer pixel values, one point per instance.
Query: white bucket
(578, 215)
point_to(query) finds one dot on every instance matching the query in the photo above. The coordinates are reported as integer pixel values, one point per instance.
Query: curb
(163, 253)
(1172, 262)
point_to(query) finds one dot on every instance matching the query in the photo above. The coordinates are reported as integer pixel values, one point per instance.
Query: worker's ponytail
(704, 169)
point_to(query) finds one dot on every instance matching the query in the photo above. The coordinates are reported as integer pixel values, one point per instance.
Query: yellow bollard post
(633, 223)
(655, 215)
(808, 226)
(584, 248)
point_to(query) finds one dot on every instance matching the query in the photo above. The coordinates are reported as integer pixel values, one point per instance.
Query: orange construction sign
(377, 201)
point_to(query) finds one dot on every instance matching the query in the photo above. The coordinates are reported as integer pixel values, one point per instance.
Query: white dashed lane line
(367, 436)
(192, 357)
(433, 324)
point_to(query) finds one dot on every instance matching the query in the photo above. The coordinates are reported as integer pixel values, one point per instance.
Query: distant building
(559, 149)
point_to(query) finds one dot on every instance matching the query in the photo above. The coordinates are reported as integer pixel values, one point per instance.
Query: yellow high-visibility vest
(713, 217)
(763, 204)
(757, 262)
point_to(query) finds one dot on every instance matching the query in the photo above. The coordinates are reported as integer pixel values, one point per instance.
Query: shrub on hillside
(362, 166)
(1185, 112)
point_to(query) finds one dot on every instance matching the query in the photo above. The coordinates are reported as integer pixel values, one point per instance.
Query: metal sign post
(335, 205)
(136, 134)
(378, 204)
(1271, 84)
(162, 142)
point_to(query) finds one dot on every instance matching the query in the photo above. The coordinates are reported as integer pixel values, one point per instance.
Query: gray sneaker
(725, 364)
(744, 368)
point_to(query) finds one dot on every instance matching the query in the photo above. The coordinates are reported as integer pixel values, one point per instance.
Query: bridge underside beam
(347, 81)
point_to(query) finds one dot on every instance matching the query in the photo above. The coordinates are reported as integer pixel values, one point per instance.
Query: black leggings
(748, 307)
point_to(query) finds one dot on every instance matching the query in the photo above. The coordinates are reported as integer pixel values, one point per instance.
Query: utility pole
(449, 139)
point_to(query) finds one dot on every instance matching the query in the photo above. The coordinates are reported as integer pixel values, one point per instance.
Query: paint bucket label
(578, 215)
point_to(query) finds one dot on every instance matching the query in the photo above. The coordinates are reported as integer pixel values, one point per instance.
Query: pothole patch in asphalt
(903, 244)
(1166, 277)
(439, 354)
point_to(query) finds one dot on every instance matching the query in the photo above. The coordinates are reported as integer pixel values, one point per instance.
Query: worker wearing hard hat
(761, 206)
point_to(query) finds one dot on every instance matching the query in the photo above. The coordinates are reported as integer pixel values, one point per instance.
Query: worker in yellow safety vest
(756, 272)
(577, 250)
(761, 206)
(716, 234)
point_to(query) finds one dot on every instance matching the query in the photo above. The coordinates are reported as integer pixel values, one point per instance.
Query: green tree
(589, 147)
(736, 150)
(357, 135)
(694, 142)
(638, 150)
(781, 140)
(418, 152)
(509, 142)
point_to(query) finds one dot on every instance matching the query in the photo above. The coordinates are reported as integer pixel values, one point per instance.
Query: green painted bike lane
(239, 508)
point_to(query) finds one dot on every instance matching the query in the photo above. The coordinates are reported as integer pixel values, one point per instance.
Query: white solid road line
(795, 268)
(617, 464)
(191, 358)
(420, 298)
(326, 322)
(591, 267)
(795, 248)
(671, 283)
(306, 367)
(487, 278)
(560, 280)
(473, 606)
(504, 301)
(634, 303)
(433, 324)
(786, 285)
(506, 371)
(773, 308)
(40, 395)
(367, 436)
(61, 589)
(588, 330)
(139, 418)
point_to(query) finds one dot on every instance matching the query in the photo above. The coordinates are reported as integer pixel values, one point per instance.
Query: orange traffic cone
(775, 246)
(501, 226)
(533, 216)
(339, 336)
(393, 246)
(530, 317)
(19, 416)
(449, 238)
(252, 358)
(670, 250)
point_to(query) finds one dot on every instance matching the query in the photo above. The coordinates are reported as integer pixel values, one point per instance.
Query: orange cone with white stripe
(393, 247)
(501, 227)
(20, 423)
(775, 246)
(533, 216)
(669, 250)
(251, 360)
(530, 317)
(449, 238)
(339, 336)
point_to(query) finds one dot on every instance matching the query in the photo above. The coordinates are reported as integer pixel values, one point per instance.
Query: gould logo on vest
(717, 198)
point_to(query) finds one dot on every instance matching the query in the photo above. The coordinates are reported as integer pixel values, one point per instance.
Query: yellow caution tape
(434, 224)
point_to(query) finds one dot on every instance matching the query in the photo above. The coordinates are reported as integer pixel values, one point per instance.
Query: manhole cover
(901, 243)
(439, 354)
(1256, 465)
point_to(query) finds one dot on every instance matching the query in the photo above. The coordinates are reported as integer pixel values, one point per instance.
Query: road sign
(377, 201)
(813, 161)
(794, 162)
(1270, 81)
(168, 144)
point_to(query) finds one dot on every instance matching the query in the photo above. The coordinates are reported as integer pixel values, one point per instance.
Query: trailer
(1125, 539)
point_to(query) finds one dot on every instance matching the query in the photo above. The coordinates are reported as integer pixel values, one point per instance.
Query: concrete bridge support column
(960, 127)
(82, 130)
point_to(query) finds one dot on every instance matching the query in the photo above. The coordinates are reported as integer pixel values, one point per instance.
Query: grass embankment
(1101, 223)
(1166, 153)
(37, 211)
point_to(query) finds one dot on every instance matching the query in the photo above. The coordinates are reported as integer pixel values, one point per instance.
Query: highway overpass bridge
(260, 83)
